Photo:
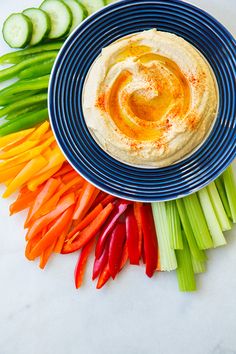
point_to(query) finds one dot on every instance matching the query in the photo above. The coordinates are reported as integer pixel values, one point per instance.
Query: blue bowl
(65, 99)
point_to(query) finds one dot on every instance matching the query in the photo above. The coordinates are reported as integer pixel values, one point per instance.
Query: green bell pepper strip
(14, 70)
(22, 113)
(37, 70)
(29, 121)
(18, 56)
(5, 101)
(25, 85)
(23, 103)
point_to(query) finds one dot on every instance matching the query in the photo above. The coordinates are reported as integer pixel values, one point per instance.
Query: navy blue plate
(65, 99)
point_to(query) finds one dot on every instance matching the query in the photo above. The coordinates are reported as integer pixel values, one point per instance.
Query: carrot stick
(29, 170)
(69, 176)
(46, 193)
(107, 200)
(86, 221)
(84, 201)
(39, 224)
(82, 262)
(89, 232)
(52, 234)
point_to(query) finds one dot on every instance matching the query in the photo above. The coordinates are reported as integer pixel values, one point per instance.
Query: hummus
(150, 99)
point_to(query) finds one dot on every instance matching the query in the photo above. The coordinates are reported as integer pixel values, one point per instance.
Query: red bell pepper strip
(89, 232)
(104, 277)
(107, 200)
(117, 241)
(125, 256)
(137, 215)
(82, 262)
(132, 233)
(101, 195)
(119, 209)
(100, 263)
(150, 239)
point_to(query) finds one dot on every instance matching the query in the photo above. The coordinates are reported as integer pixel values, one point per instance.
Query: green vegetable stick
(230, 187)
(25, 85)
(27, 122)
(23, 114)
(174, 225)
(37, 70)
(185, 273)
(23, 103)
(14, 70)
(4, 101)
(198, 222)
(195, 251)
(14, 57)
(221, 189)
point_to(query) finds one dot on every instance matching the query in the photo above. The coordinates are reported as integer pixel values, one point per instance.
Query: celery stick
(230, 187)
(185, 273)
(212, 222)
(218, 207)
(195, 251)
(221, 190)
(174, 225)
(167, 254)
(198, 266)
(198, 222)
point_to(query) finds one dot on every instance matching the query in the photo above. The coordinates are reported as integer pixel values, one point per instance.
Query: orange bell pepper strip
(53, 233)
(27, 172)
(44, 258)
(86, 221)
(30, 245)
(87, 196)
(15, 137)
(66, 168)
(11, 172)
(35, 182)
(24, 201)
(39, 224)
(82, 262)
(89, 232)
(52, 202)
(62, 238)
(46, 193)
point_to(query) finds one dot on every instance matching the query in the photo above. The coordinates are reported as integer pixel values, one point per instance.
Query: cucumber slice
(41, 24)
(92, 5)
(77, 13)
(17, 30)
(60, 16)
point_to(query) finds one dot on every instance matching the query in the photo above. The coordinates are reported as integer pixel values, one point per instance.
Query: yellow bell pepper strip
(15, 137)
(25, 146)
(40, 131)
(53, 233)
(39, 224)
(28, 171)
(27, 155)
(54, 159)
(89, 232)
(82, 262)
(9, 173)
(35, 182)
(45, 194)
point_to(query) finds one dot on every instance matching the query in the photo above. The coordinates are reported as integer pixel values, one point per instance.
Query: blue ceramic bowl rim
(115, 7)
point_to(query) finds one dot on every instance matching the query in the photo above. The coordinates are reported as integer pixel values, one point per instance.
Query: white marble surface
(42, 313)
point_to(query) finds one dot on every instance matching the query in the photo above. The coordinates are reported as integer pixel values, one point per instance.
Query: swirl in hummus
(150, 99)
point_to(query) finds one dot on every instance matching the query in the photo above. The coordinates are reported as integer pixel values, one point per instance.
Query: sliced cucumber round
(41, 24)
(17, 30)
(77, 13)
(92, 5)
(60, 16)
